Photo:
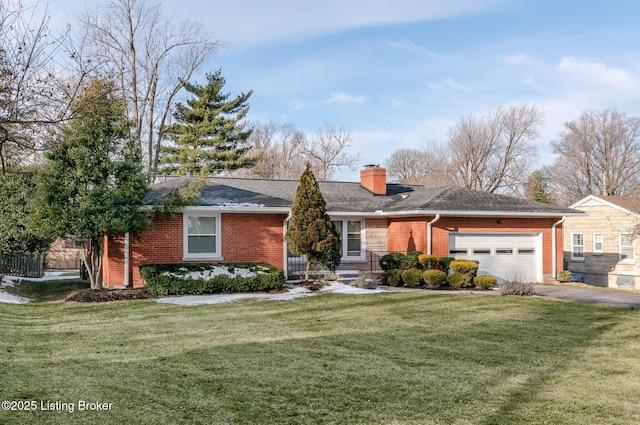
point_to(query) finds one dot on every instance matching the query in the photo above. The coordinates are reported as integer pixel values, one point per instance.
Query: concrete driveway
(588, 295)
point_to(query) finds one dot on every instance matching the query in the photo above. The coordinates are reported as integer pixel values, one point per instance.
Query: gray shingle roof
(351, 197)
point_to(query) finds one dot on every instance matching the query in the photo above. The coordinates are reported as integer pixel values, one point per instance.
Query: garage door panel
(504, 256)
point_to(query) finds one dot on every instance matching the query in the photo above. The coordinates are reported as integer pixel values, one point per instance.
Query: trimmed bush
(410, 260)
(516, 288)
(393, 277)
(194, 278)
(445, 262)
(434, 278)
(466, 267)
(456, 280)
(412, 278)
(428, 262)
(485, 282)
(392, 260)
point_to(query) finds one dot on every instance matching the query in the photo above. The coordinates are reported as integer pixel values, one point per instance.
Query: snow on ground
(11, 280)
(292, 294)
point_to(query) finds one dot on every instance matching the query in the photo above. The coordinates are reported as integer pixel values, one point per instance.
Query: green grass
(47, 290)
(329, 359)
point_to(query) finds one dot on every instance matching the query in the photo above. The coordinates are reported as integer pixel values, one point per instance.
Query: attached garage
(506, 256)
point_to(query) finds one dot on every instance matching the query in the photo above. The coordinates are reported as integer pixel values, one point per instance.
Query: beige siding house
(602, 245)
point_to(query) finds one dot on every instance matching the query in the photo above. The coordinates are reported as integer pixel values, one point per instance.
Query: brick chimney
(374, 179)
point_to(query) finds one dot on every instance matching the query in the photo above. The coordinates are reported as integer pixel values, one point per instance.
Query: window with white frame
(598, 244)
(201, 235)
(627, 251)
(350, 238)
(577, 246)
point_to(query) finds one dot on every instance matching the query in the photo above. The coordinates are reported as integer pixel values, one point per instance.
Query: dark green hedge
(173, 279)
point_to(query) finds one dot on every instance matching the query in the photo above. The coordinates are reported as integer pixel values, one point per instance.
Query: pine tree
(537, 188)
(208, 135)
(93, 184)
(311, 231)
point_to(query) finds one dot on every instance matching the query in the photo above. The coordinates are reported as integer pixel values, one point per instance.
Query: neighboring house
(64, 254)
(246, 219)
(602, 244)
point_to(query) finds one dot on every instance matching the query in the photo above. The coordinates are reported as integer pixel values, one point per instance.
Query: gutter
(436, 218)
(554, 248)
(285, 247)
(126, 260)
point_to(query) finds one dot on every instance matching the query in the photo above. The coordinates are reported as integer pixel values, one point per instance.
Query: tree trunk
(306, 271)
(92, 259)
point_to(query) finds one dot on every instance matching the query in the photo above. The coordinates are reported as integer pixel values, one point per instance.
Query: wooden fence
(23, 265)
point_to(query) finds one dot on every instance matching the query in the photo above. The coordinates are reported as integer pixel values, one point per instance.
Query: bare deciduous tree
(152, 58)
(327, 151)
(598, 154)
(426, 166)
(284, 151)
(37, 86)
(280, 150)
(494, 152)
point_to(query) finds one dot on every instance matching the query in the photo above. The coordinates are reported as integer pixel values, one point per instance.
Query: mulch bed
(105, 295)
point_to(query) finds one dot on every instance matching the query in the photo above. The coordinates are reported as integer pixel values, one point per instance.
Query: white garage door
(506, 256)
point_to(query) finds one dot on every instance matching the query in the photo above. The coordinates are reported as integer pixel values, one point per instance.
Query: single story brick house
(602, 244)
(236, 219)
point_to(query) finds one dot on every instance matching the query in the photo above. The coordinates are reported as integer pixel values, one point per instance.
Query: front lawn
(330, 359)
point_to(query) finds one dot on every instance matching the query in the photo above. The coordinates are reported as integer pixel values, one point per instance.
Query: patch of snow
(241, 204)
(8, 281)
(211, 273)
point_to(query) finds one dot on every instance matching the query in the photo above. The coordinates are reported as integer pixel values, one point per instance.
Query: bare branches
(327, 151)
(36, 87)
(427, 166)
(151, 58)
(494, 152)
(598, 154)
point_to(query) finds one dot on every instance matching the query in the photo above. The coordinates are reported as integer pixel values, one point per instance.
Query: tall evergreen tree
(311, 231)
(93, 184)
(208, 135)
(17, 235)
(537, 188)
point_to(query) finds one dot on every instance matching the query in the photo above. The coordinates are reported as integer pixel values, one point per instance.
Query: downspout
(126, 260)
(554, 248)
(436, 218)
(285, 246)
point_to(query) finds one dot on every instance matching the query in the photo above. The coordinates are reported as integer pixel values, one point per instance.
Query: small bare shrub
(564, 276)
(516, 288)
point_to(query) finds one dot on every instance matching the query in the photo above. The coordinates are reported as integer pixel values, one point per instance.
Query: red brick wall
(408, 234)
(245, 237)
(441, 229)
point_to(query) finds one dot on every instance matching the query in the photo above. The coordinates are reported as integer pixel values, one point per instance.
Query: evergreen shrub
(412, 278)
(410, 261)
(485, 282)
(456, 280)
(195, 279)
(393, 277)
(434, 278)
(428, 262)
(392, 260)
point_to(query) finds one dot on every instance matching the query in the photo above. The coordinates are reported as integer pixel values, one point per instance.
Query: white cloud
(448, 86)
(597, 73)
(343, 98)
(410, 46)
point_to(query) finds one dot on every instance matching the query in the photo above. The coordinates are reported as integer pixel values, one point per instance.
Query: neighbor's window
(627, 251)
(598, 247)
(201, 236)
(577, 246)
(351, 240)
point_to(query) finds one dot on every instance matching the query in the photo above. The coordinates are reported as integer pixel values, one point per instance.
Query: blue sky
(401, 73)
